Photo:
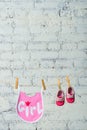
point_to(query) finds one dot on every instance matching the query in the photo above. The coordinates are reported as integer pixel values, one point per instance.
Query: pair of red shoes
(70, 94)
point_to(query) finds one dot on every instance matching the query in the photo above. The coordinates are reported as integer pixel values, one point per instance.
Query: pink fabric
(59, 99)
(30, 109)
(70, 96)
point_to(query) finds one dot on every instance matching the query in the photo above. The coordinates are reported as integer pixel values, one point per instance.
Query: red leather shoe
(70, 95)
(60, 98)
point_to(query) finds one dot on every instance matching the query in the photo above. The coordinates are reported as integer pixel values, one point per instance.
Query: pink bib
(30, 108)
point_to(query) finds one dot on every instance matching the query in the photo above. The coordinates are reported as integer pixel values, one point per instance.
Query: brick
(82, 46)
(67, 29)
(22, 55)
(81, 21)
(17, 73)
(4, 64)
(81, 29)
(79, 124)
(16, 47)
(11, 116)
(44, 55)
(31, 64)
(4, 105)
(51, 5)
(5, 29)
(80, 13)
(51, 82)
(21, 31)
(3, 126)
(23, 38)
(16, 65)
(7, 56)
(5, 47)
(83, 81)
(5, 73)
(48, 27)
(47, 64)
(81, 5)
(45, 37)
(64, 64)
(72, 54)
(72, 37)
(54, 46)
(17, 126)
(69, 46)
(7, 90)
(37, 46)
(80, 63)
(52, 124)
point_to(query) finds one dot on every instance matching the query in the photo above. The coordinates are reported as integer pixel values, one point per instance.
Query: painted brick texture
(43, 39)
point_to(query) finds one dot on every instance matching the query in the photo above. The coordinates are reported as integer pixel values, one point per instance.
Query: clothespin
(59, 84)
(68, 81)
(43, 85)
(16, 83)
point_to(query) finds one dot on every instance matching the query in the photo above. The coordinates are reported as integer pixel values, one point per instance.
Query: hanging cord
(13, 85)
(71, 76)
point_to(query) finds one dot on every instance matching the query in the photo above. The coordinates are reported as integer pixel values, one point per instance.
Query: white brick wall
(43, 39)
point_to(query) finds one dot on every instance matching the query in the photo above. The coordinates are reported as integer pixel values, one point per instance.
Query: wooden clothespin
(16, 83)
(59, 84)
(68, 81)
(43, 85)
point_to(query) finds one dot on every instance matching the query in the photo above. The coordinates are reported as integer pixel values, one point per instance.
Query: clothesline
(13, 84)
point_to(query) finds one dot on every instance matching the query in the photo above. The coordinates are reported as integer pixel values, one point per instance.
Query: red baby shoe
(70, 95)
(60, 98)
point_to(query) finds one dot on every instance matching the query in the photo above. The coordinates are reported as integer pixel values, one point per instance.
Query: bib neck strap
(19, 89)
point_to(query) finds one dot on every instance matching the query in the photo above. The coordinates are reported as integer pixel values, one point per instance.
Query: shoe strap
(60, 99)
(70, 96)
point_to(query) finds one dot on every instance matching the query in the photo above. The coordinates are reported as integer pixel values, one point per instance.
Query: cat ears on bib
(17, 82)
